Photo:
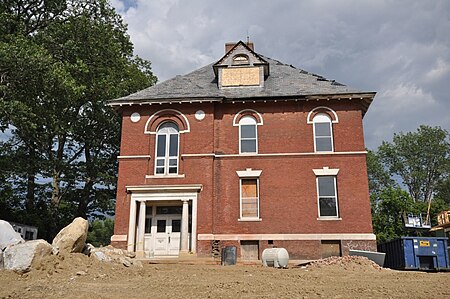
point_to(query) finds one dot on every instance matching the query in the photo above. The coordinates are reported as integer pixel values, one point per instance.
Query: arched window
(323, 133)
(248, 135)
(167, 140)
(240, 59)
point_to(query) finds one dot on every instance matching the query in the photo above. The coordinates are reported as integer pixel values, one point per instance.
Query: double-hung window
(323, 133)
(327, 196)
(249, 198)
(167, 141)
(248, 135)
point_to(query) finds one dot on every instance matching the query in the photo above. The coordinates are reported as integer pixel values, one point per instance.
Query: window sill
(165, 176)
(250, 219)
(329, 218)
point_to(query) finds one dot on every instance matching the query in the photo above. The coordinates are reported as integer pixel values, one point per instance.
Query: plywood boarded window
(240, 76)
(249, 198)
(331, 248)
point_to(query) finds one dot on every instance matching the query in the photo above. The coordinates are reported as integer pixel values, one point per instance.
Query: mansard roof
(284, 82)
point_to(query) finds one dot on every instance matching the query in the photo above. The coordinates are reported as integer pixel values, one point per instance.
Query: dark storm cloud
(401, 49)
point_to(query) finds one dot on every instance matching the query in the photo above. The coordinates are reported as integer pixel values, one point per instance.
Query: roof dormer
(240, 67)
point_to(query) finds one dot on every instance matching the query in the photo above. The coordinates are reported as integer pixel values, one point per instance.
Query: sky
(400, 49)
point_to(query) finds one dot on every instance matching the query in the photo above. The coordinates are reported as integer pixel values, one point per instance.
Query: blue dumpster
(416, 253)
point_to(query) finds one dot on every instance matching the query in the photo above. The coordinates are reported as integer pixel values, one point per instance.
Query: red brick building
(247, 151)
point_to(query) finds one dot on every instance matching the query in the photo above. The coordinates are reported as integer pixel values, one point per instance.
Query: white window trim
(241, 218)
(172, 111)
(256, 136)
(167, 157)
(310, 121)
(259, 119)
(331, 133)
(336, 198)
(326, 171)
(249, 173)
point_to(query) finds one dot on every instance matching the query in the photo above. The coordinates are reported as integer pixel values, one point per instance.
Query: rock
(88, 249)
(114, 255)
(72, 238)
(126, 262)
(21, 257)
(101, 256)
(8, 236)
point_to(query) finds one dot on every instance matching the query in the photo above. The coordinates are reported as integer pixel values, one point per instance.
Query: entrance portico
(159, 219)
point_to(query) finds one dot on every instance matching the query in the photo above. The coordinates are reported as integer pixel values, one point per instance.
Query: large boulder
(72, 238)
(8, 236)
(21, 257)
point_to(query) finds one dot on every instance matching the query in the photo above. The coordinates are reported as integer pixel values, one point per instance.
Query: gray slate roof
(284, 81)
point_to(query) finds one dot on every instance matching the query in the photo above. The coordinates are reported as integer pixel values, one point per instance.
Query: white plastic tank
(275, 257)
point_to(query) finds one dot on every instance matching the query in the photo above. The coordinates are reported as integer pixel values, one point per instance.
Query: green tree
(443, 191)
(100, 232)
(420, 159)
(379, 177)
(72, 56)
(388, 210)
(417, 161)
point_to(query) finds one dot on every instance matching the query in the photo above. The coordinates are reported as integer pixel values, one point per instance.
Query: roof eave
(141, 102)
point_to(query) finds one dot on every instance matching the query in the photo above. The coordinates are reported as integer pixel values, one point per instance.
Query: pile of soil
(353, 263)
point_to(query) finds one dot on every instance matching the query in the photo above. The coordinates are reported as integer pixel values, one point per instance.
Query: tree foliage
(421, 159)
(100, 232)
(418, 162)
(60, 61)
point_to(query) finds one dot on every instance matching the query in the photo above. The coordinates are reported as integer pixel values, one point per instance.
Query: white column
(194, 225)
(141, 229)
(132, 225)
(184, 227)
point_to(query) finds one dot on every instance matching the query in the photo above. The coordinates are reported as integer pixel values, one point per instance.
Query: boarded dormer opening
(241, 67)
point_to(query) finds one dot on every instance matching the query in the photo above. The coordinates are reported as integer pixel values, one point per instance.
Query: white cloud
(440, 69)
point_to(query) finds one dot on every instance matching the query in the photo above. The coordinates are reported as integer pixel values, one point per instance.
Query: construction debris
(346, 262)
(21, 257)
(115, 255)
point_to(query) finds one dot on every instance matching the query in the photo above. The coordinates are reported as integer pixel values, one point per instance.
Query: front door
(167, 236)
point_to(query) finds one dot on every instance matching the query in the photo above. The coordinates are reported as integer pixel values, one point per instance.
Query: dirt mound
(358, 263)
(74, 264)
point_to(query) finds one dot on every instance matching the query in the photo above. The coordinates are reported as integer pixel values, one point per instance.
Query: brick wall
(288, 196)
